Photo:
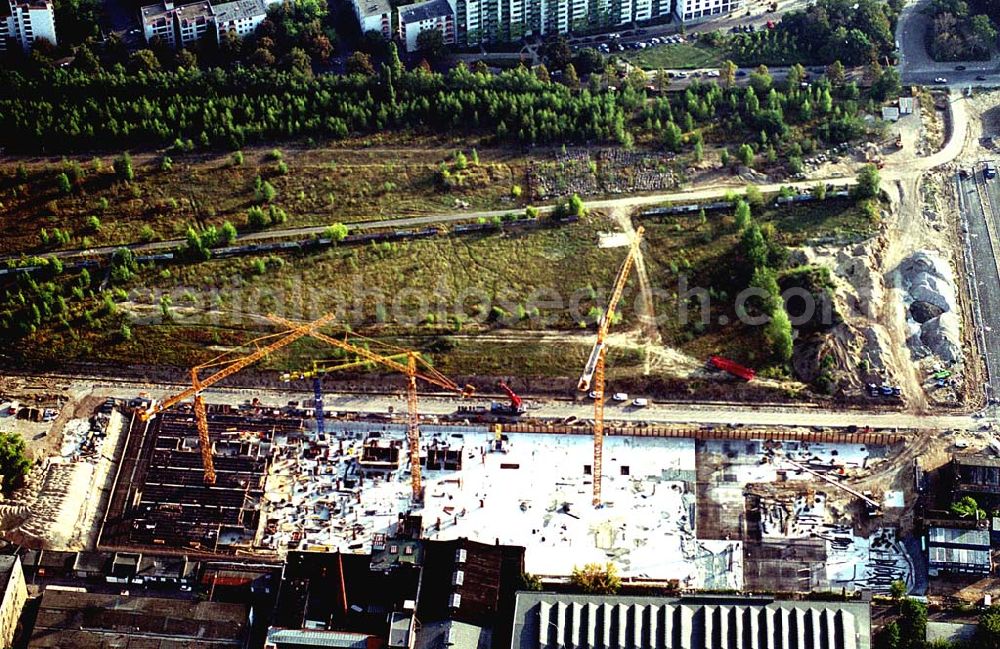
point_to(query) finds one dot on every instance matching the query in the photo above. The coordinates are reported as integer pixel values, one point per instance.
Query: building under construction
(160, 500)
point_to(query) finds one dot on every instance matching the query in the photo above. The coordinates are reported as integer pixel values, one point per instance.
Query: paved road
(916, 65)
(657, 412)
(979, 232)
(979, 201)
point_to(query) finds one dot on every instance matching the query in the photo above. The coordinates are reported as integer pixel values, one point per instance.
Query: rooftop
(84, 620)
(238, 10)
(372, 7)
(551, 621)
(424, 11)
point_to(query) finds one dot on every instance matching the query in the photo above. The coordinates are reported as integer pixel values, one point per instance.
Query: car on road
(741, 73)
(960, 68)
(640, 402)
(980, 77)
(940, 80)
(620, 396)
(961, 444)
(593, 395)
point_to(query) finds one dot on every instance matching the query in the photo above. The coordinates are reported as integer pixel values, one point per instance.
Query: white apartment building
(180, 26)
(694, 10)
(26, 22)
(374, 15)
(241, 17)
(432, 14)
(508, 20)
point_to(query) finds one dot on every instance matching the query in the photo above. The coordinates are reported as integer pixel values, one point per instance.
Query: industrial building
(551, 621)
(958, 550)
(327, 599)
(977, 476)
(96, 621)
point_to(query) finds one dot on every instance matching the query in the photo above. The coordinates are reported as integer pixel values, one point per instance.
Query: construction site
(208, 471)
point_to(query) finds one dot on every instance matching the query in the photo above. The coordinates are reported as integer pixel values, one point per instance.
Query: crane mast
(412, 372)
(231, 366)
(593, 373)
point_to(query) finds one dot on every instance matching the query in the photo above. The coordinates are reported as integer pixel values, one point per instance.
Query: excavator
(514, 407)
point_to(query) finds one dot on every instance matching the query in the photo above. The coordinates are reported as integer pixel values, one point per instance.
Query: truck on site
(990, 171)
(732, 367)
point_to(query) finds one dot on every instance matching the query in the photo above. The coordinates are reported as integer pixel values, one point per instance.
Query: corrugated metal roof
(300, 637)
(957, 536)
(555, 621)
(941, 557)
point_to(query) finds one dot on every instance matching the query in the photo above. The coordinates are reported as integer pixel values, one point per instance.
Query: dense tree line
(960, 32)
(854, 32)
(769, 117)
(59, 110)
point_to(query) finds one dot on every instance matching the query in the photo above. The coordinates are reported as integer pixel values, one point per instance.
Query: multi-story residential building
(428, 15)
(374, 15)
(241, 17)
(490, 21)
(27, 21)
(694, 10)
(180, 26)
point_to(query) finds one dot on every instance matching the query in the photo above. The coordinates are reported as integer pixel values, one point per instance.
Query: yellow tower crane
(229, 367)
(414, 368)
(593, 373)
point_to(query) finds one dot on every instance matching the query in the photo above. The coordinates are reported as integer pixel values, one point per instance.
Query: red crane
(732, 367)
(516, 403)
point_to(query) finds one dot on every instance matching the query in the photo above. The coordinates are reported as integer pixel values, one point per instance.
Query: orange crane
(593, 373)
(229, 367)
(415, 368)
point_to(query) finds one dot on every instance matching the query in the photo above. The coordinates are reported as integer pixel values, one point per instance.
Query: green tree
(889, 638)
(335, 232)
(256, 217)
(166, 164)
(967, 507)
(779, 335)
(360, 63)
(672, 137)
(727, 73)
(228, 234)
(754, 197)
(745, 155)
(62, 181)
(14, 462)
(123, 167)
(912, 623)
(754, 246)
(529, 581)
(988, 632)
(570, 77)
(237, 158)
(596, 579)
(742, 215)
(266, 193)
(869, 182)
(430, 43)
(897, 589)
(835, 73)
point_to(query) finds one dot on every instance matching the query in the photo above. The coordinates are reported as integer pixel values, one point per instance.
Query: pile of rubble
(932, 307)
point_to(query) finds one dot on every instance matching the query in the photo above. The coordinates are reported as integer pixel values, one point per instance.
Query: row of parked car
(614, 46)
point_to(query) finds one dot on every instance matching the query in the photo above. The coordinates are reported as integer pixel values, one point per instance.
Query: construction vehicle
(515, 405)
(414, 368)
(229, 367)
(593, 372)
(732, 367)
(319, 369)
